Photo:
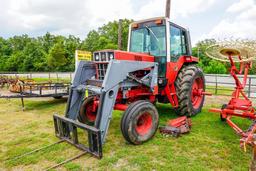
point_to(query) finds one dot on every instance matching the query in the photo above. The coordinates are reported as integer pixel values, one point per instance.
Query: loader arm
(117, 73)
(84, 72)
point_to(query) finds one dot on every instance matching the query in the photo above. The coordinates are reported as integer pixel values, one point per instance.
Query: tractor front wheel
(139, 122)
(190, 85)
(87, 113)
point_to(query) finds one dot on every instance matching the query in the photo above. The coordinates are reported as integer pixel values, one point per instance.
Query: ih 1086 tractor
(158, 67)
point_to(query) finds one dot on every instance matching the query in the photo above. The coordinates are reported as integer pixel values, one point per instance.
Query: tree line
(57, 53)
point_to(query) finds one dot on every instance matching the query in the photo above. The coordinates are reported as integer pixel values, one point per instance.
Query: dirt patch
(220, 100)
(6, 92)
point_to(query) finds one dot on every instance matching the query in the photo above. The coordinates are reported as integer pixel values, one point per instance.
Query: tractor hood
(107, 55)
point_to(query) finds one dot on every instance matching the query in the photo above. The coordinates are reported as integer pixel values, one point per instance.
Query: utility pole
(198, 52)
(168, 8)
(120, 34)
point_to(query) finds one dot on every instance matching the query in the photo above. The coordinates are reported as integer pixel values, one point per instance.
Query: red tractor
(158, 67)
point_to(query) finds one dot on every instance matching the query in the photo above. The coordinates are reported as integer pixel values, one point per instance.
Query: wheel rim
(196, 94)
(90, 115)
(144, 124)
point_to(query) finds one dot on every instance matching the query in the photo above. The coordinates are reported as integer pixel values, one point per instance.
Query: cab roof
(157, 18)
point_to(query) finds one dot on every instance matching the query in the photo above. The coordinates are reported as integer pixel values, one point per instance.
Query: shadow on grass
(39, 105)
(166, 112)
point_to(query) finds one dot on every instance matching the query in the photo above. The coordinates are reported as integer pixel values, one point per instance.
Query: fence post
(249, 88)
(49, 76)
(57, 77)
(70, 75)
(216, 84)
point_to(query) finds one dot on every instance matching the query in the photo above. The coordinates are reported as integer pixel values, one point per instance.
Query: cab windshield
(149, 39)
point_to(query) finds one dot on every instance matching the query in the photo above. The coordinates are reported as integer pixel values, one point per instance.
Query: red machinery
(239, 105)
(177, 126)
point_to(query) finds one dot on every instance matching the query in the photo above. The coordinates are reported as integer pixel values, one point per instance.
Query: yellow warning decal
(83, 55)
(86, 93)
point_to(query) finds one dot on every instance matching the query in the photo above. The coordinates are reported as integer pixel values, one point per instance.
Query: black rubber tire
(131, 117)
(82, 117)
(183, 84)
(224, 106)
(123, 120)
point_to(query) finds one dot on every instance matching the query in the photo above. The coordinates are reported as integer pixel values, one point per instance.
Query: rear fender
(172, 71)
(173, 68)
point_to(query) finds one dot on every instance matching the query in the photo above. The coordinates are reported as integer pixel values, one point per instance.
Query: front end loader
(158, 67)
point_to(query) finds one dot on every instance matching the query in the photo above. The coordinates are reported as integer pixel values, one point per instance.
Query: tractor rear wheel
(139, 122)
(190, 84)
(86, 114)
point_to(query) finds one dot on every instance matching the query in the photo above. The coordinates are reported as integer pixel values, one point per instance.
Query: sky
(204, 18)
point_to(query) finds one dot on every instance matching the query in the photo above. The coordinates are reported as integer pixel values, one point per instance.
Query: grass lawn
(54, 80)
(222, 90)
(211, 145)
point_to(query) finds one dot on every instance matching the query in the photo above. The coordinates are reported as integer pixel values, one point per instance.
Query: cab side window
(178, 43)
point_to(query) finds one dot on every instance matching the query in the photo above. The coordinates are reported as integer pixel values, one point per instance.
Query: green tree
(215, 67)
(15, 62)
(46, 41)
(57, 57)
(207, 64)
(5, 52)
(35, 57)
(106, 37)
(18, 43)
(56, 53)
(71, 44)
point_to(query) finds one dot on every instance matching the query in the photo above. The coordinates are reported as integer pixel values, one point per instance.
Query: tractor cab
(159, 37)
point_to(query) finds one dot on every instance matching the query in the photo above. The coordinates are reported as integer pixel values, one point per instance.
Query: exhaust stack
(168, 8)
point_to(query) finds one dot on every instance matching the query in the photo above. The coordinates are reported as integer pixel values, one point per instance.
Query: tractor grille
(101, 69)
(102, 59)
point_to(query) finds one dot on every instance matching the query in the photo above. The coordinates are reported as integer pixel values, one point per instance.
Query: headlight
(111, 56)
(97, 57)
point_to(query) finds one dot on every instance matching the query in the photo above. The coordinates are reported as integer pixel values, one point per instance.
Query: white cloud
(182, 8)
(240, 6)
(239, 23)
(77, 17)
(186, 8)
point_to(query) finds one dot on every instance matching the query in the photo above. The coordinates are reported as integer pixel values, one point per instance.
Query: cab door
(179, 42)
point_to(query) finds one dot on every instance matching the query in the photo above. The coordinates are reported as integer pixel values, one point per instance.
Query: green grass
(211, 145)
(221, 90)
(54, 80)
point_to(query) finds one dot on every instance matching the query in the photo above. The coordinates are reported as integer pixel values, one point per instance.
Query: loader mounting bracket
(67, 129)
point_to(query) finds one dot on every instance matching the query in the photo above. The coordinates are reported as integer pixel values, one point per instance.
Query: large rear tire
(86, 113)
(190, 84)
(139, 122)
